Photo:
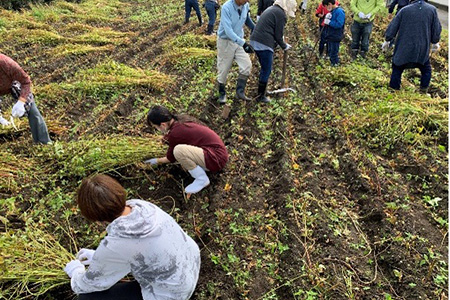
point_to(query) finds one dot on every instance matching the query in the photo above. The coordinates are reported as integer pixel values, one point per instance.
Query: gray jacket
(270, 27)
(150, 245)
(416, 27)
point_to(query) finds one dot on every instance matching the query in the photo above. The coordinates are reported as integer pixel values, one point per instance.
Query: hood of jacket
(141, 222)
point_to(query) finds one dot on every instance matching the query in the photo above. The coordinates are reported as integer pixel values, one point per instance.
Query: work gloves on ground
(153, 161)
(385, 45)
(435, 47)
(248, 48)
(74, 266)
(85, 256)
(18, 109)
(4, 122)
(287, 47)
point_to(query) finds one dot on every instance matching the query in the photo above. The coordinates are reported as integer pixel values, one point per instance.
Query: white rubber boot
(201, 180)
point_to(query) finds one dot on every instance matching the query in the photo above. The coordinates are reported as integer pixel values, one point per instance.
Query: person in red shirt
(321, 12)
(195, 146)
(15, 81)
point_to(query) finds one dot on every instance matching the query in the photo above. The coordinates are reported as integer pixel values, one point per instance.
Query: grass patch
(399, 117)
(105, 79)
(14, 170)
(34, 36)
(31, 261)
(83, 157)
(77, 49)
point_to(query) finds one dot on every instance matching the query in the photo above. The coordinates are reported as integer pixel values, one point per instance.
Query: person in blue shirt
(334, 29)
(231, 46)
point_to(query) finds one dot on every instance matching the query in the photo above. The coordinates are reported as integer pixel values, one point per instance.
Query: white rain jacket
(149, 244)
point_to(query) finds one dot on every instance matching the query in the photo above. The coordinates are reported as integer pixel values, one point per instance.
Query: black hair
(159, 114)
(326, 2)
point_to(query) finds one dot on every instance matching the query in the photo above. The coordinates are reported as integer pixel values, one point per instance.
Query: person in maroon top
(15, 81)
(195, 146)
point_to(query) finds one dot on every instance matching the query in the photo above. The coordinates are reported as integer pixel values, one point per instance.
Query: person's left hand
(18, 109)
(435, 47)
(328, 16)
(327, 21)
(287, 47)
(248, 48)
(4, 122)
(85, 256)
(368, 16)
(73, 267)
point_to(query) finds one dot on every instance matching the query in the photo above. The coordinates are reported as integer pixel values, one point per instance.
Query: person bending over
(142, 240)
(195, 146)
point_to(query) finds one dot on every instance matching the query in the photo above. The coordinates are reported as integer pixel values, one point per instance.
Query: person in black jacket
(267, 34)
(262, 6)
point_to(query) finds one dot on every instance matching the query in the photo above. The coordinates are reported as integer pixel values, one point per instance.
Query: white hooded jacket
(149, 244)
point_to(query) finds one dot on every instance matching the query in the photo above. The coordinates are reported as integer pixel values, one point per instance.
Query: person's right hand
(4, 122)
(361, 15)
(385, 46)
(85, 256)
(287, 47)
(328, 16)
(248, 48)
(153, 161)
(18, 109)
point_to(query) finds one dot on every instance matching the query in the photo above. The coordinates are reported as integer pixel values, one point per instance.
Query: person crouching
(195, 146)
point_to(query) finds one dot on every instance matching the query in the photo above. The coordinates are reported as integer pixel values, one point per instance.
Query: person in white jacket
(142, 240)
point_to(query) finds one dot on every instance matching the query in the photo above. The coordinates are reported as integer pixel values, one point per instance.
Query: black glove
(248, 48)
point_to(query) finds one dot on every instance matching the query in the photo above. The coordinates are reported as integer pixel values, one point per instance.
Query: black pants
(119, 291)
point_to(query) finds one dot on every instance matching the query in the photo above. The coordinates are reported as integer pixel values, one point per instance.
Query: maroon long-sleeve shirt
(190, 133)
(10, 71)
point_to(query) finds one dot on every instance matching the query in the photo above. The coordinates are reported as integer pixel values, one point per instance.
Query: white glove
(435, 47)
(73, 267)
(385, 46)
(85, 256)
(368, 16)
(361, 15)
(326, 21)
(287, 47)
(257, 18)
(4, 122)
(328, 16)
(153, 161)
(18, 109)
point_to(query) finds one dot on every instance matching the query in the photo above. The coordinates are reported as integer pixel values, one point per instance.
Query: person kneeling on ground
(195, 146)
(142, 240)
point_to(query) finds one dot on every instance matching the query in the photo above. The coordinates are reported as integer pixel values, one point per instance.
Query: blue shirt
(231, 26)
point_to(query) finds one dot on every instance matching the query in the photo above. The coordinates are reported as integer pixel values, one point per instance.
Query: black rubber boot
(262, 93)
(240, 88)
(209, 30)
(200, 22)
(354, 54)
(222, 93)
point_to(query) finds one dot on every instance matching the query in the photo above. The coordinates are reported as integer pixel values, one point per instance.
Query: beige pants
(189, 156)
(227, 51)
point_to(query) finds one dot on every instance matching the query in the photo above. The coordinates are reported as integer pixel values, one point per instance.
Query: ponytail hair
(159, 114)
